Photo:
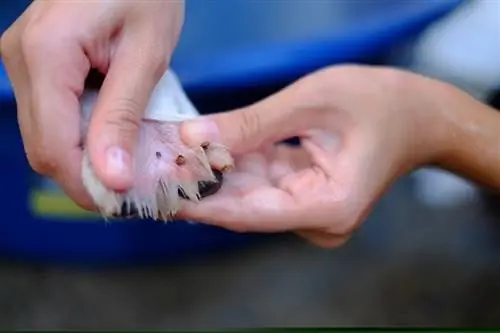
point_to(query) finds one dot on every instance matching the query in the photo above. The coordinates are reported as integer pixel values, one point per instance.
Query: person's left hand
(360, 129)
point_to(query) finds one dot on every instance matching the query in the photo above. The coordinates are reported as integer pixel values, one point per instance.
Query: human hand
(48, 53)
(360, 129)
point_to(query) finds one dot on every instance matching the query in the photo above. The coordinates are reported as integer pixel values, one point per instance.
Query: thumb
(245, 130)
(114, 128)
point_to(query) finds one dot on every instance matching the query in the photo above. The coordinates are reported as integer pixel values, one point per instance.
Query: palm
(349, 155)
(269, 185)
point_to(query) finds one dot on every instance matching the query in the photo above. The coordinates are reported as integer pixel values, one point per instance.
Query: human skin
(361, 128)
(48, 53)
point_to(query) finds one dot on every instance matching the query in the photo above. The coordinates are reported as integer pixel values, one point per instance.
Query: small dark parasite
(180, 160)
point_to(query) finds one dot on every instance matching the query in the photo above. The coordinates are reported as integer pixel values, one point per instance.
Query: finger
(262, 210)
(56, 144)
(135, 69)
(54, 138)
(69, 178)
(274, 119)
(13, 58)
(16, 69)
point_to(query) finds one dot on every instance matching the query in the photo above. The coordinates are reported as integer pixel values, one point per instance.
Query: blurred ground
(408, 266)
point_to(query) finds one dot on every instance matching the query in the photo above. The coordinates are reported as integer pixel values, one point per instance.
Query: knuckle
(9, 38)
(25, 33)
(42, 162)
(32, 40)
(38, 34)
(251, 123)
(124, 117)
(9, 46)
(5, 42)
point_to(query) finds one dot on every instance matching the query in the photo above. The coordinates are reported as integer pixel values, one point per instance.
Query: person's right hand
(360, 128)
(48, 53)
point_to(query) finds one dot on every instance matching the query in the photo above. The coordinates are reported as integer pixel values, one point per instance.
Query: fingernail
(117, 162)
(198, 131)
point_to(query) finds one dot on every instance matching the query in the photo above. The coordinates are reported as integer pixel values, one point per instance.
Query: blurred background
(428, 255)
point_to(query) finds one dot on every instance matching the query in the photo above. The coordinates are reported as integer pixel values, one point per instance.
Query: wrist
(466, 135)
(423, 127)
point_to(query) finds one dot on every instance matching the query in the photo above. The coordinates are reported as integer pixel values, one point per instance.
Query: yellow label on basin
(46, 199)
